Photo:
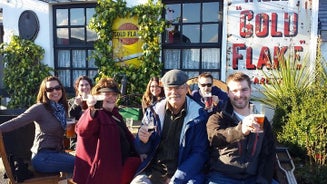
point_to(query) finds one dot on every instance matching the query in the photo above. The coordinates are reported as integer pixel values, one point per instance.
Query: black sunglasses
(208, 85)
(57, 88)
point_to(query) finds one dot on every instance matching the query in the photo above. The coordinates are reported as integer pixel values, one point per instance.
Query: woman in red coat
(104, 151)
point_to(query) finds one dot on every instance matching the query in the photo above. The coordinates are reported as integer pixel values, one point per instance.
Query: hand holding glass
(95, 101)
(129, 123)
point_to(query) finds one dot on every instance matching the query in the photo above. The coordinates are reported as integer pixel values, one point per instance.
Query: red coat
(98, 150)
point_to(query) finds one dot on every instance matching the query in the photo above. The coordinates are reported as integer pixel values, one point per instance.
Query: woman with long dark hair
(49, 116)
(154, 92)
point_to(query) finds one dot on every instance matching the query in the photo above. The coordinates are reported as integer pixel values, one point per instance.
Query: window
(322, 21)
(73, 43)
(193, 41)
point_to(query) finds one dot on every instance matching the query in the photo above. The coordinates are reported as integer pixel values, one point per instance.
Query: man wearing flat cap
(176, 149)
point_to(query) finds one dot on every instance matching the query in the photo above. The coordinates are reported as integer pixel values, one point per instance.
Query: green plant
(299, 97)
(307, 123)
(287, 85)
(23, 71)
(306, 173)
(151, 25)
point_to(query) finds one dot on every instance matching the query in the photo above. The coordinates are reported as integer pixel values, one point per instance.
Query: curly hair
(79, 79)
(105, 82)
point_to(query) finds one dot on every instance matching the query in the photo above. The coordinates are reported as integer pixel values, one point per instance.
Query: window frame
(71, 47)
(200, 46)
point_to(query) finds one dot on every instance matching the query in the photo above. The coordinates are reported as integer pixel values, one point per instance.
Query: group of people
(193, 145)
(189, 144)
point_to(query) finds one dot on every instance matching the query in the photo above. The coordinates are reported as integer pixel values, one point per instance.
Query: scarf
(59, 113)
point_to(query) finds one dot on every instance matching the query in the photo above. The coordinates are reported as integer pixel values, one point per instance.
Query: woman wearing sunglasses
(205, 86)
(49, 116)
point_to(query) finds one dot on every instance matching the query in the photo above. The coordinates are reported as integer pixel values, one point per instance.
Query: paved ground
(2, 172)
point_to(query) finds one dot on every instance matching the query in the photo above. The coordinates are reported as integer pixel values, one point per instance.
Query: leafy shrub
(151, 25)
(307, 125)
(23, 71)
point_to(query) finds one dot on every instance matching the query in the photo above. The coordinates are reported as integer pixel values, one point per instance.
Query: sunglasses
(57, 88)
(208, 85)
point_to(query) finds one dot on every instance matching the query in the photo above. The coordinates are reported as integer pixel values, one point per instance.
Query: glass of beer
(260, 119)
(129, 123)
(70, 127)
(149, 123)
(84, 99)
(99, 101)
(208, 101)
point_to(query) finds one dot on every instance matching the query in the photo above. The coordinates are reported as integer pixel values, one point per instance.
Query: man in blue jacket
(205, 85)
(176, 150)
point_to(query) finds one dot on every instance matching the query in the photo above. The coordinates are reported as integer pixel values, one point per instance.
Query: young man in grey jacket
(239, 151)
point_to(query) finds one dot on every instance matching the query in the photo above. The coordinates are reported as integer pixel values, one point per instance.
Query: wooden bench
(285, 166)
(17, 144)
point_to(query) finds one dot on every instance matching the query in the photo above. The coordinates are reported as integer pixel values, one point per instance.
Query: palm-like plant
(289, 79)
(298, 94)
(287, 85)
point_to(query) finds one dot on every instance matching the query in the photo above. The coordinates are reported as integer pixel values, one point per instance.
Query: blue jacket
(223, 97)
(193, 150)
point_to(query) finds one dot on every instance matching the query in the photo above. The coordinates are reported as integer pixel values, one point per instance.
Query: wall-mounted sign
(28, 25)
(126, 42)
(260, 31)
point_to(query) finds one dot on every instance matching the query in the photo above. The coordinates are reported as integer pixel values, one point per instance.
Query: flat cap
(174, 78)
(107, 89)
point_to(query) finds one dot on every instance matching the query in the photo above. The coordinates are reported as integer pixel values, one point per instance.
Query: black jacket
(236, 155)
